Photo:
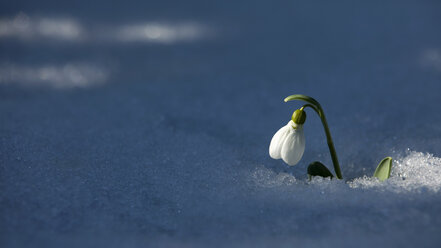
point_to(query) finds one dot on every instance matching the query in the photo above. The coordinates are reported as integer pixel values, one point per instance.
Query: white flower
(288, 143)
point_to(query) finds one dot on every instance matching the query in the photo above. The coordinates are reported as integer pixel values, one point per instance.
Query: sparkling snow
(163, 141)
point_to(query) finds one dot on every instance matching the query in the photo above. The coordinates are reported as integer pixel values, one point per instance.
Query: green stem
(319, 110)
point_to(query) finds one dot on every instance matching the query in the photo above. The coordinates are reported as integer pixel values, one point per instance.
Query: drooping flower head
(289, 142)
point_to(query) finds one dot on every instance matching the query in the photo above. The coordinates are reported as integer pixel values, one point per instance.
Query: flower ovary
(299, 117)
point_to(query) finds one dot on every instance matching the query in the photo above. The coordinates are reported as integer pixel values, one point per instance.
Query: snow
(66, 76)
(32, 29)
(165, 144)
(416, 172)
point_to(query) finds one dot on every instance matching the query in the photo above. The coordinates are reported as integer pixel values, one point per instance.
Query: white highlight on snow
(431, 58)
(26, 28)
(415, 172)
(269, 179)
(161, 33)
(66, 29)
(67, 76)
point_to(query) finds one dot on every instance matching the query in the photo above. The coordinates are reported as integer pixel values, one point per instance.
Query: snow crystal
(417, 171)
(171, 149)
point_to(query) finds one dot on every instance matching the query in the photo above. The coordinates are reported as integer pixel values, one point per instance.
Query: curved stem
(311, 106)
(314, 104)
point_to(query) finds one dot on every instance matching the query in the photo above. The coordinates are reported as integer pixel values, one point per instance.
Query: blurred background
(132, 123)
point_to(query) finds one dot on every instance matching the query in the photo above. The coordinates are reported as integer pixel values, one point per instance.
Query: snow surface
(165, 144)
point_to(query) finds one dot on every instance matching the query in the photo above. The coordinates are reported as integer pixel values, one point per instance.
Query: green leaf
(318, 169)
(383, 169)
(303, 98)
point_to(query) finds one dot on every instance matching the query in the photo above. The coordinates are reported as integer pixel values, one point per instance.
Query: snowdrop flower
(289, 142)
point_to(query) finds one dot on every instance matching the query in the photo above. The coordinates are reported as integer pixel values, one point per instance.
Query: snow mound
(415, 172)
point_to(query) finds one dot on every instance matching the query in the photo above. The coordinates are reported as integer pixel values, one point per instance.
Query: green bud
(299, 117)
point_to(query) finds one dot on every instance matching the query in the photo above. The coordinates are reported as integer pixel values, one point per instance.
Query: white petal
(293, 146)
(277, 141)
